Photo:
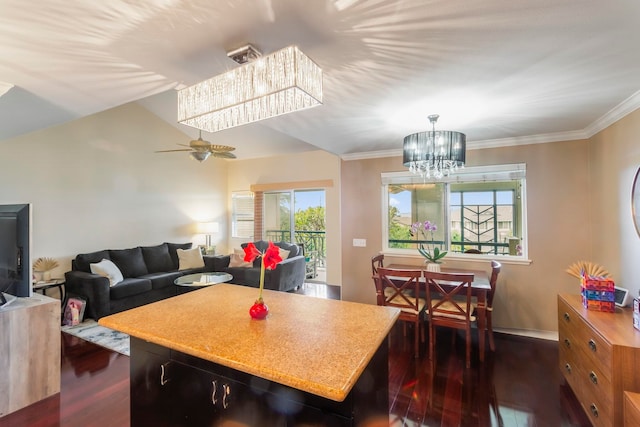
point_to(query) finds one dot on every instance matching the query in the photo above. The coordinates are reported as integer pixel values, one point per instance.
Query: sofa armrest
(288, 275)
(94, 288)
(216, 262)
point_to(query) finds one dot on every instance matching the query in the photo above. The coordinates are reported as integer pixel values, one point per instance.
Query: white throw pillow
(190, 258)
(237, 260)
(108, 269)
(284, 254)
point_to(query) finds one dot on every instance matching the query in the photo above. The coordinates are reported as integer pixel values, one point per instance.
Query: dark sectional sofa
(288, 275)
(148, 271)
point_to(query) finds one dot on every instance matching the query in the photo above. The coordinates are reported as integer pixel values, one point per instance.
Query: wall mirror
(635, 201)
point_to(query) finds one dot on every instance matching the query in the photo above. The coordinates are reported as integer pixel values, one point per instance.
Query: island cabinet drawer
(576, 333)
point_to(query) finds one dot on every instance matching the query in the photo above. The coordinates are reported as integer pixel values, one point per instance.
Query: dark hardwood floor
(518, 385)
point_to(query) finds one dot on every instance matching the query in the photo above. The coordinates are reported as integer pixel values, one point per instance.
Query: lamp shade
(434, 153)
(279, 83)
(208, 227)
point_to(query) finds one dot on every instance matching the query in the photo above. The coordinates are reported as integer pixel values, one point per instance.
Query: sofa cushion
(129, 287)
(162, 280)
(129, 261)
(83, 261)
(294, 250)
(189, 258)
(157, 258)
(109, 270)
(173, 247)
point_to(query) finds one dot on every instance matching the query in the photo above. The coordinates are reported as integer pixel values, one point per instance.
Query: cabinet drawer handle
(226, 391)
(567, 342)
(592, 345)
(594, 410)
(567, 367)
(214, 389)
(567, 317)
(593, 377)
(164, 377)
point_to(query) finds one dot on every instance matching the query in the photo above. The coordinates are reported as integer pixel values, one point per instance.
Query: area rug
(91, 331)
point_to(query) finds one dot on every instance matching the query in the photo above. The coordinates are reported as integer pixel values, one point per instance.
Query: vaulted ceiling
(501, 71)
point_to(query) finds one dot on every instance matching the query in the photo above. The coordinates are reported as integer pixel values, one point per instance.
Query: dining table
(480, 288)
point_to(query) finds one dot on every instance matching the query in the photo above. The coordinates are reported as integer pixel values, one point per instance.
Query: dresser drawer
(587, 378)
(574, 332)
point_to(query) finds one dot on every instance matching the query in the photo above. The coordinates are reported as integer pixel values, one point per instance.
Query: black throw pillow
(157, 258)
(129, 261)
(83, 261)
(173, 247)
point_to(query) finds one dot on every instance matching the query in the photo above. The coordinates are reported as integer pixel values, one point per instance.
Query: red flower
(270, 259)
(251, 252)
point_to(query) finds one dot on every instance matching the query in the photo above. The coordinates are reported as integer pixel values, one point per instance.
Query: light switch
(360, 243)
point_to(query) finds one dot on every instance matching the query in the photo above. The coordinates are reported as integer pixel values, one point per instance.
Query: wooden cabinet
(599, 358)
(29, 352)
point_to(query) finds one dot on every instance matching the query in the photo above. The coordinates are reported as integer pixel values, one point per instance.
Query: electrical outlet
(360, 243)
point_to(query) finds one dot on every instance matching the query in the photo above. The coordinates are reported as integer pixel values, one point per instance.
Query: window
(478, 208)
(242, 214)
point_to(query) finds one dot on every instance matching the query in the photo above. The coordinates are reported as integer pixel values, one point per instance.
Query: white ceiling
(500, 70)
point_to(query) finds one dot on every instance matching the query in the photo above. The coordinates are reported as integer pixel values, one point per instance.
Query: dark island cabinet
(170, 388)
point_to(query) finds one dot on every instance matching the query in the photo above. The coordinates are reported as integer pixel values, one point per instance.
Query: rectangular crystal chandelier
(280, 83)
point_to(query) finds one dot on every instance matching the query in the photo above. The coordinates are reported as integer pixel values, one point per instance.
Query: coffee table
(199, 280)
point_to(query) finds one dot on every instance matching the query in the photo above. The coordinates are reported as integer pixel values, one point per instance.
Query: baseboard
(545, 335)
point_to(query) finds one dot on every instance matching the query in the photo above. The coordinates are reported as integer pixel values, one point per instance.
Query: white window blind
(242, 213)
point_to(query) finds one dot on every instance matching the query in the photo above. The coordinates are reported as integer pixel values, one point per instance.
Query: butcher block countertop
(316, 345)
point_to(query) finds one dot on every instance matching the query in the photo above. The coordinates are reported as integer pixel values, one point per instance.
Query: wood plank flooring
(518, 385)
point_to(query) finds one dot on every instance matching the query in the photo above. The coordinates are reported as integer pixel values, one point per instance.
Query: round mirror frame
(635, 201)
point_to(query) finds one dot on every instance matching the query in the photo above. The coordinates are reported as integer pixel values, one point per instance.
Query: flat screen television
(15, 252)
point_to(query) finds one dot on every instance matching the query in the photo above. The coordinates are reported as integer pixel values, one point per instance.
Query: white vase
(433, 266)
(46, 276)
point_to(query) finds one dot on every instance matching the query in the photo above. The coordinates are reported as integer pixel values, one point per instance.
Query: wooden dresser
(599, 358)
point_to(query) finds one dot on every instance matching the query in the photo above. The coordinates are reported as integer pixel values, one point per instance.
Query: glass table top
(203, 279)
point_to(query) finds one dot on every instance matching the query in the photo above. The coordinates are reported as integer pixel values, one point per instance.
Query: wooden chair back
(449, 298)
(495, 271)
(401, 289)
(376, 263)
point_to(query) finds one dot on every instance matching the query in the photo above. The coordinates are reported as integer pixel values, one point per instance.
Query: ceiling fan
(200, 150)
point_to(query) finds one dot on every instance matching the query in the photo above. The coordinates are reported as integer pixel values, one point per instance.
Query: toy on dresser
(598, 293)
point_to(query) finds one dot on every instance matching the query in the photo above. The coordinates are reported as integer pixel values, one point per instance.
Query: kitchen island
(199, 359)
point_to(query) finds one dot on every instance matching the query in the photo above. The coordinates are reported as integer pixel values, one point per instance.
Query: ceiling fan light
(200, 156)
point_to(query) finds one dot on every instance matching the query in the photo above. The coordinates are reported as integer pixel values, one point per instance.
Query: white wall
(96, 183)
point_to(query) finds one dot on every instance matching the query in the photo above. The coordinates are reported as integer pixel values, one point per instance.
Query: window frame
(468, 174)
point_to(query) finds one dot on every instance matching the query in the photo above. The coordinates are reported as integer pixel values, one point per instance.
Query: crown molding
(627, 106)
(618, 112)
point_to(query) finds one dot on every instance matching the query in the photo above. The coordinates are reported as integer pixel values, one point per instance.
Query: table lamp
(207, 228)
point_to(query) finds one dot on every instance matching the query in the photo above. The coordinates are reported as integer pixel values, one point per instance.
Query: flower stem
(261, 277)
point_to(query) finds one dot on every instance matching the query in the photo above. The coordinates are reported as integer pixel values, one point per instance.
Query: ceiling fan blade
(172, 151)
(220, 148)
(184, 145)
(223, 155)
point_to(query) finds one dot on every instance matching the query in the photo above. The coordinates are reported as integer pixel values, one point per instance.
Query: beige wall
(96, 183)
(309, 166)
(614, 157)
(558, 229)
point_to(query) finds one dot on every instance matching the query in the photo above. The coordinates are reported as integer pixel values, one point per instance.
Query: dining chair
(401, 289)
(377, 262)
(495, 271)
(449, 304)
(473, 251)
